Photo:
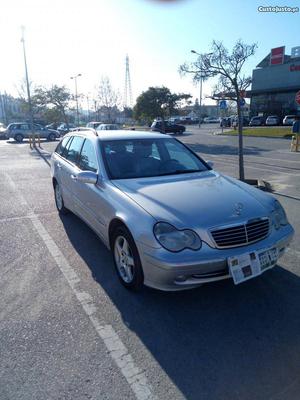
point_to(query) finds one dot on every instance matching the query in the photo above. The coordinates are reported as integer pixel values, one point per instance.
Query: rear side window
(73, 152)
(87, 158)
(61, 146)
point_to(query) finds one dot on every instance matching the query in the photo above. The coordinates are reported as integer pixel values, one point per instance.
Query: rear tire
(126, 259)
(51, 137)
(19, 138)
(59, 201)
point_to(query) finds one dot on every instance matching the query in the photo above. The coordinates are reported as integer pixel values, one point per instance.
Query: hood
(197, 200)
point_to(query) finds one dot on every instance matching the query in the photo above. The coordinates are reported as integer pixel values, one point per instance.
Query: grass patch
(277, 132)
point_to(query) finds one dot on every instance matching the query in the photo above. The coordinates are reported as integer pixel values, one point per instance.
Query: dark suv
(167, 127)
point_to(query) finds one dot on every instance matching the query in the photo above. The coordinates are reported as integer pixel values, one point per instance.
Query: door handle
(58, 166)
(74, 177)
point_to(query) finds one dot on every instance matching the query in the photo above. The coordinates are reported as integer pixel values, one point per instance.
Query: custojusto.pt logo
(277, 9)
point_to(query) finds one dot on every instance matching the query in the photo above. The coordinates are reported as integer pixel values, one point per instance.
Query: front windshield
(139, 158)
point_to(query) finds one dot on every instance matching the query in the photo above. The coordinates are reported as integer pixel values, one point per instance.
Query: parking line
(266, 169)
(136, 378)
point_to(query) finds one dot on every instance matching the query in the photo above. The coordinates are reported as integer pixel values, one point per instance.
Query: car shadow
(217, 342)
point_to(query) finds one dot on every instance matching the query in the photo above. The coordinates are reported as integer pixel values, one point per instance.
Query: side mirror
(86, 177)
(210, 163)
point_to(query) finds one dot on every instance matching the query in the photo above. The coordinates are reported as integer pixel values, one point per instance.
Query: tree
(37, 108)
(109, 100)
(158, 102)
(231, 83)
(56, 98)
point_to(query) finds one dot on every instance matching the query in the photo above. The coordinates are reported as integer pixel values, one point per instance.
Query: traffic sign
(222, 104)
(297, 97)
(242, 102)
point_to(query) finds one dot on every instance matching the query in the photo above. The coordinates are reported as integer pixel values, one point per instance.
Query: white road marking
(136, 378)
(265, 168)
(9, 219)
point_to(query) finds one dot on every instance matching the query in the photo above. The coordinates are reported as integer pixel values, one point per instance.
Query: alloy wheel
(124, 259)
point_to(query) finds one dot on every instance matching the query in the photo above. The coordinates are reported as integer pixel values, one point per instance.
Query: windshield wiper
(181, 171)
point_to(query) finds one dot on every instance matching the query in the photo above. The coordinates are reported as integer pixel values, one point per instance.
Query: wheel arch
(113, 225)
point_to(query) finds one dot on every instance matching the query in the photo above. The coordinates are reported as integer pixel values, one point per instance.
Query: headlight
(278, 215)
(176, 240)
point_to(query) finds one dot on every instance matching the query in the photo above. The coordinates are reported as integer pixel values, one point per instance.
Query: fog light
(181, 278)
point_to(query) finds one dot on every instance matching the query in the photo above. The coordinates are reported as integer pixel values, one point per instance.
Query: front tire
(19, 138)
(127, 260)
(59, 201)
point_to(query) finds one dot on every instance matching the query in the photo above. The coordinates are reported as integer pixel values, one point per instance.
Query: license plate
(248, 265)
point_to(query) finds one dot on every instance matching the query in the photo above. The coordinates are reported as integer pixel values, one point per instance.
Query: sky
(92, 37)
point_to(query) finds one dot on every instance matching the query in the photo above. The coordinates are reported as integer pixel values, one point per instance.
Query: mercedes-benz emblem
(238, 208)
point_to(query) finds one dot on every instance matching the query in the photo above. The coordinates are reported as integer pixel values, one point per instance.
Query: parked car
(289, 119)
(53, 125)
(108, 127)
(186, 120)
(272, 120)
(170, 220)
(167, 127)
(256, 121)
(225, 122)
(93, 124)
(211, 120)
(235, 121)
(174, 120)
(21, 130)
(65, 128)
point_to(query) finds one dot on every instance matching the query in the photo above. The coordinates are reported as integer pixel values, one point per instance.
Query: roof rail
(85, 129)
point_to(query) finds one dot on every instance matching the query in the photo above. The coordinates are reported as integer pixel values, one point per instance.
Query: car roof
(127, 135)
(118, 134)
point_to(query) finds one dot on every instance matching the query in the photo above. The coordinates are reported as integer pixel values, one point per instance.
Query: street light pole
(27, 85)
(76, 96)
(201, 80)
(200, 99)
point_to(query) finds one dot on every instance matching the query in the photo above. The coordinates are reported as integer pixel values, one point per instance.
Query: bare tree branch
(231, 83)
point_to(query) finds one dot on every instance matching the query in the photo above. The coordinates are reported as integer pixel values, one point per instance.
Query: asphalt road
(70, 331)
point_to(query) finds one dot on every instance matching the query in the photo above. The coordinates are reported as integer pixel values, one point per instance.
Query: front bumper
(177, 271)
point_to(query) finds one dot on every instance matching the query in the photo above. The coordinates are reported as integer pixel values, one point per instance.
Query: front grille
(242, 234)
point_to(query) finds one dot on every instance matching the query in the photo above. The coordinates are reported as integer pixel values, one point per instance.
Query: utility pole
(28, 87)
(88, 107)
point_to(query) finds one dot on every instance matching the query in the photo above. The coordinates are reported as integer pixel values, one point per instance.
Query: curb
(260, 184)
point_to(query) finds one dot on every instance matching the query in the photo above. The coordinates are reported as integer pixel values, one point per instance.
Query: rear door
(69, 169)
(24, 129)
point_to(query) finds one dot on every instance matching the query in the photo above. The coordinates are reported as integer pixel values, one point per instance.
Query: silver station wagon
(171, 221)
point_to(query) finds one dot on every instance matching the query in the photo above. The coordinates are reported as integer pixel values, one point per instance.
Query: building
(275, 82)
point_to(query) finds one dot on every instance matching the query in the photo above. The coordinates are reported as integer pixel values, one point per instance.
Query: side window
(87, 158)
(24, 127)
(61, 146)
(73, 152)
(155, 152)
